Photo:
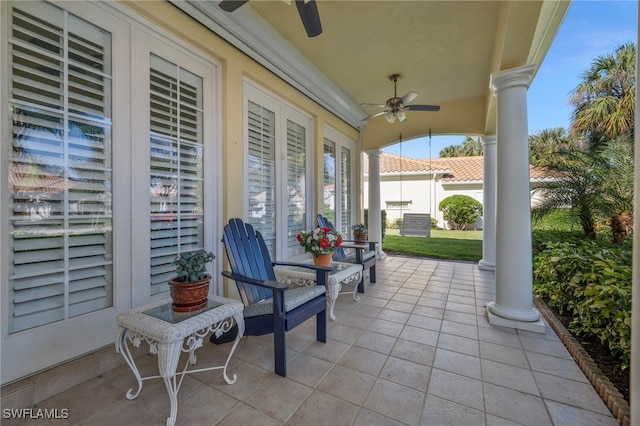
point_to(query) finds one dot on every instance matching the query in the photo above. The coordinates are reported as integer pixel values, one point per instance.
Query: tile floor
(415, 350)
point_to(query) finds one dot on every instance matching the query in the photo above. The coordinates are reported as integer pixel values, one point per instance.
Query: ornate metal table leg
(172, 390)
(333, 292)
(239, 318)
(358, 279)
(123, 348)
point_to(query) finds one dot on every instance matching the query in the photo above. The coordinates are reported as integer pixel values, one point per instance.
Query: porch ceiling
(445, 50)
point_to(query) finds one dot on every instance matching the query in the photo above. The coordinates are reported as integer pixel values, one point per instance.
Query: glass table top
(165, 313)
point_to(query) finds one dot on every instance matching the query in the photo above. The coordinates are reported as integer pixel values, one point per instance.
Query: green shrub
(460, 210)
(383, 217)
(592, 283)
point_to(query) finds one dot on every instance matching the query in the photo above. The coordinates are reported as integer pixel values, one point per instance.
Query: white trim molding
(251, 34)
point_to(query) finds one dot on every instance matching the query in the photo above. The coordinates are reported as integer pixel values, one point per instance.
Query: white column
(513, 306)
(375, 216)
(488, 261)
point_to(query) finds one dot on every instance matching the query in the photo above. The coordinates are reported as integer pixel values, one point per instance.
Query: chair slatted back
(339, 253)
(248, 256)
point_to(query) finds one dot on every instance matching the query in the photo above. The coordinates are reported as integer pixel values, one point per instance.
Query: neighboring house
(409, 185)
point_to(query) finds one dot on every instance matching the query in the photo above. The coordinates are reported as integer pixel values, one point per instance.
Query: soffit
(445, 50)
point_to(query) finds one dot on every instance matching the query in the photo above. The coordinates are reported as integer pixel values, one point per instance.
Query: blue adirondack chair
(270, 306)
(364, 254)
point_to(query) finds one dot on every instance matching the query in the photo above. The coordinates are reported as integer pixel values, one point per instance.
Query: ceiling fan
(395, 107)
(307, 9)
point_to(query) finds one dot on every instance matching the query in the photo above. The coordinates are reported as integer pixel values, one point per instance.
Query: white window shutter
(262, 173)
(176, 171)
(60, 174)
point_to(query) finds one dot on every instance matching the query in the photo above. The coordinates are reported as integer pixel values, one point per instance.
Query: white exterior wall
(415, 187)
(424, 199)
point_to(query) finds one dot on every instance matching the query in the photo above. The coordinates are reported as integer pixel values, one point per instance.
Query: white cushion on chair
(293, 298)
(352, 257)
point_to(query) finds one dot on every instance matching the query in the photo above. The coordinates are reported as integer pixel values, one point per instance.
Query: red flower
(299, 237)
(326, 229)
(339, 242)
(324, 243)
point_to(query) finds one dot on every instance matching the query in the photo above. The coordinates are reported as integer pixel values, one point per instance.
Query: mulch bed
(596, 362)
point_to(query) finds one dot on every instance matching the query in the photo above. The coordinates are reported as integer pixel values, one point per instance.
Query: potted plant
(359, 232)
(321, 243)
(190, 286)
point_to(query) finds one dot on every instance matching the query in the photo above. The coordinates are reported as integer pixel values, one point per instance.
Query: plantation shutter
(345, 190)
(60, 169)
(262, 179)
(176, 179)
(329, 180)
(296, 185)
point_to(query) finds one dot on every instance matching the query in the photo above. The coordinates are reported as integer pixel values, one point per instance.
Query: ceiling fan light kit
(396, 107)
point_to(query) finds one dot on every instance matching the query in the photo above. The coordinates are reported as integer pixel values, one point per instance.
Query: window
(296, 186)
(60, 170)
(338, 180)
(398, 205)
(278, 164)
(262, 179)
(176, 150)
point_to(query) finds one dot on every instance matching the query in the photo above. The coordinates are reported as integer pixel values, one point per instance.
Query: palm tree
(616, 175)
(576, 186)
(450, 151)
(469, 148)
(548, 143)
(604, 102)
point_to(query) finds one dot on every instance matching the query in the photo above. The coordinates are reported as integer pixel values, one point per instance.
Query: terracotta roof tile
(460, 169)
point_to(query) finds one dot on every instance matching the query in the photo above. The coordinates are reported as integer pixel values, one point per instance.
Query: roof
(452, 169)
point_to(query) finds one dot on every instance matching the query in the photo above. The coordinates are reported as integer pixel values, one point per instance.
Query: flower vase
(322, 259)
(360, 236)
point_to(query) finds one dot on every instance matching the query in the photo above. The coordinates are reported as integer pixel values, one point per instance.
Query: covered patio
(415, 349)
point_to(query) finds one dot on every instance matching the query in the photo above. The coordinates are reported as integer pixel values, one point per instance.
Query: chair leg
(279, 335)
(321, 326)
(372, 274)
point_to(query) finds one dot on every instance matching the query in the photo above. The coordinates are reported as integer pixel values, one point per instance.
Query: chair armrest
(359, 244)
(273, 285)
(322, 272)
(305, 265)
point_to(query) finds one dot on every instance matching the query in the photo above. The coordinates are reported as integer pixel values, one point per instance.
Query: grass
(467, 245)
(452, 245)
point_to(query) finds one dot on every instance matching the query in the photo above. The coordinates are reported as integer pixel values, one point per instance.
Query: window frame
(283, 111)
(144, 46)
(342, 142)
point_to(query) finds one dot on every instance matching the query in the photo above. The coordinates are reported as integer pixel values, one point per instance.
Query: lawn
(443, 244)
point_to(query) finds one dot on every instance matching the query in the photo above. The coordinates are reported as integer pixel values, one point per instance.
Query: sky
(590, 29)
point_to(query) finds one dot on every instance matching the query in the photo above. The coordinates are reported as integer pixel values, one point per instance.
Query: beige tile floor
(415, 350)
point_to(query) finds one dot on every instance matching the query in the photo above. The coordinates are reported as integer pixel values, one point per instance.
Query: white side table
(343, 273)
(170, 333)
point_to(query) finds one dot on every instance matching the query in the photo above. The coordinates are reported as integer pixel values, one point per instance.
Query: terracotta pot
(322, 260)
(189, 297)
(359, 236)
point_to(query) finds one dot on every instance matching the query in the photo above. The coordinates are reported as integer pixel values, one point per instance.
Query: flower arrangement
(359, 228)
(320, 241)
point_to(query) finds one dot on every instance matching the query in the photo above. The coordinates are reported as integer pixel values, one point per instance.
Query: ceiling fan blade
(231, 5)
(409, 97)
(374, 105)
(422, 107)
(308, 11)
(374, 115)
